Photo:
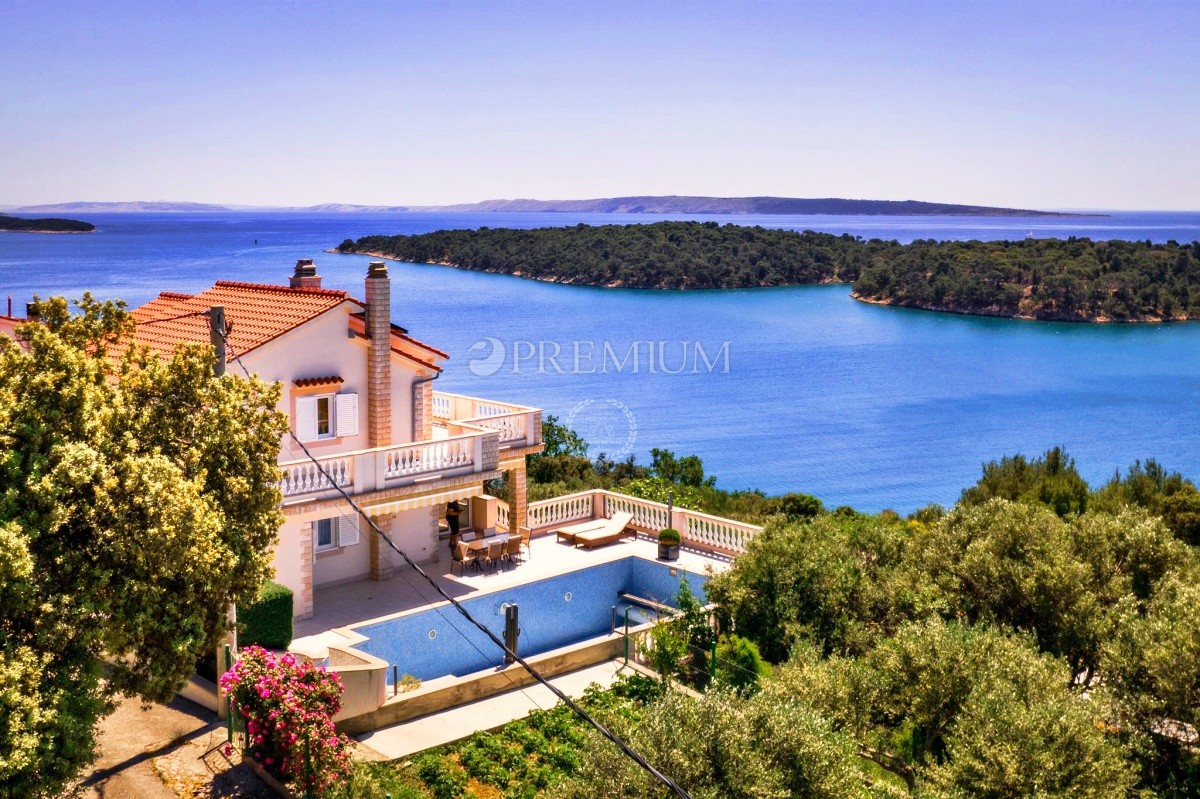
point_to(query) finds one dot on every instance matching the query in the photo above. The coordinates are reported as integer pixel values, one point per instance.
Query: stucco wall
(322, 348)
(415, 532)
(286, 561)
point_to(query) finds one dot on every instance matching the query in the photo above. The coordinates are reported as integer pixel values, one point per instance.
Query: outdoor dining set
(486, 550)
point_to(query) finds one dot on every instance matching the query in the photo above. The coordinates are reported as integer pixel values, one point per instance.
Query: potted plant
(668, 544)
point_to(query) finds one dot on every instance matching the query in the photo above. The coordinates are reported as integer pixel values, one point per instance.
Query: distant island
(1075, 279)
(744, 205)
(13, 223)
(612, 205)
(120, 207)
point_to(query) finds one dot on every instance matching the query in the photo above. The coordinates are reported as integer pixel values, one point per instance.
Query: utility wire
(562, 697)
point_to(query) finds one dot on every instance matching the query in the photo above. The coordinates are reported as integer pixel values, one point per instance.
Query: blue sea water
(858, 404)
(553, 613)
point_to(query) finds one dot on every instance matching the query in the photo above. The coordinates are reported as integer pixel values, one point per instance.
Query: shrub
(739, 663)
(288, 709)
(267, 622)
(799, 506)
(669, 537)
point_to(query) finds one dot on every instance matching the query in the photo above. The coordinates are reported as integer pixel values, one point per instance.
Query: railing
(511, 426)
(560, 510)
(648, 515)
(390, 467)
(518, 425)
(426, 457)
(715, 532)
(304, 477)
(502, 515)
(698, 529)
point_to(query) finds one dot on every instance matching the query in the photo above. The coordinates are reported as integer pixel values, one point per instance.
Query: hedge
(268, 620)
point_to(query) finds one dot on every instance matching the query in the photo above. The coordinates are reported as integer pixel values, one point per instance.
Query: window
(334, 533)
(324, 429)
(326, 416)
(325, 534)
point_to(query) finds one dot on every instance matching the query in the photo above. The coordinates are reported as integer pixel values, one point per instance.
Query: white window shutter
(347, 532)
(306, 418)
(347, 415)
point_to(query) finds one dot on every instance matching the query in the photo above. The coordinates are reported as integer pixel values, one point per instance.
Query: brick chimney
(305, 276)
(379, 355)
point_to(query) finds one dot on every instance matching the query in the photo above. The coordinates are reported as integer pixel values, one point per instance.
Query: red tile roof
(258, 313)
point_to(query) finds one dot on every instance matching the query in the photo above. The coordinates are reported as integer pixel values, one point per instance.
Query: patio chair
(463, 556)
(495, 551)
(526, 535)
(512, 549)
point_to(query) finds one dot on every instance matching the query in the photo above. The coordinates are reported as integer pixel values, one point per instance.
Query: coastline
(614, 285)
(1100, 320)
(47, 232)
(1097, 320)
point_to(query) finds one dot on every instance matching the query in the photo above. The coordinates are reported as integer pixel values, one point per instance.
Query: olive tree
(138, 499)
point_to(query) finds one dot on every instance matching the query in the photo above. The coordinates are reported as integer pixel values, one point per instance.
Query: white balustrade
(442, 406)
(647, 514)
(510, 426)
(427, 457)
(306, 477)
(717, 533)
(502, 515)
(560, 510)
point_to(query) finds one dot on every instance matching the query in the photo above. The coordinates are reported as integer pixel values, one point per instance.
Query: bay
(798, 389)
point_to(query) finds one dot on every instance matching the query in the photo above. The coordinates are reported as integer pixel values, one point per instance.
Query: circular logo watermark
(608, 426)
(486, 365)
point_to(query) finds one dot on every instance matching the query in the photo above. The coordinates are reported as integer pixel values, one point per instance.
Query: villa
(358, 391)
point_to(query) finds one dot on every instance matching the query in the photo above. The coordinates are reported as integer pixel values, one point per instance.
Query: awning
(423, 500)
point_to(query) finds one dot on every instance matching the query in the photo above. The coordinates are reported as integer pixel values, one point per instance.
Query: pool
(554, 612)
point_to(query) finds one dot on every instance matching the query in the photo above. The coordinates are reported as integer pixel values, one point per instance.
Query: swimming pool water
(554, 612)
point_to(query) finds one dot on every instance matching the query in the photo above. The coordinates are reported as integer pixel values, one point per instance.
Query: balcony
(469, 434)
(515, 425)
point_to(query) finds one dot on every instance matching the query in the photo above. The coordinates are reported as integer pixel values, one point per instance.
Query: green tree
(829, 580)
(1050, 480)
(963, 710)
(1013, 564)
(558, 439)
(721, 746)
(138, 499)
(1152, 675)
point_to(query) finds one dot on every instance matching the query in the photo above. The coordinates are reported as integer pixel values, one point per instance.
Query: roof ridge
(174, 295)
(284, 289)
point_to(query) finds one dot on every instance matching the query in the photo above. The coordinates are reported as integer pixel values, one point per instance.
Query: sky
(1031, 105)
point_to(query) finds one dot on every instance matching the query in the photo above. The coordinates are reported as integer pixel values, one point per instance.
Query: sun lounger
(606, 532)
(569, 532)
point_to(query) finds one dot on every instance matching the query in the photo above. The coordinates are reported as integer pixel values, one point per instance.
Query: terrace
(467, 435)
(373, 699)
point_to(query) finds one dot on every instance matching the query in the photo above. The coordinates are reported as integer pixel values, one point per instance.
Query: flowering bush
(288, 709)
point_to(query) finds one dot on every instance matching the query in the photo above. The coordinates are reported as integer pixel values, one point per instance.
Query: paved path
(165, 752)
(131, 738)
(406, 738)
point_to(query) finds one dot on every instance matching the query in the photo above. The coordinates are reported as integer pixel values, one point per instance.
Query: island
(1074, 279)
(833, 206)
(50, 225)
(671, 204)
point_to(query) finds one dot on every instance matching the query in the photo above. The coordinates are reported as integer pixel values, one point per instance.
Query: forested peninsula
(15, 223)
(1075, 279)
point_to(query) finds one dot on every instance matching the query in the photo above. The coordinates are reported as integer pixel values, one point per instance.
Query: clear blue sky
(1046, 104)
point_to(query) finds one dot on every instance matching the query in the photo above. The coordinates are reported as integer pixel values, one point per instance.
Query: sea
(782, 389)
